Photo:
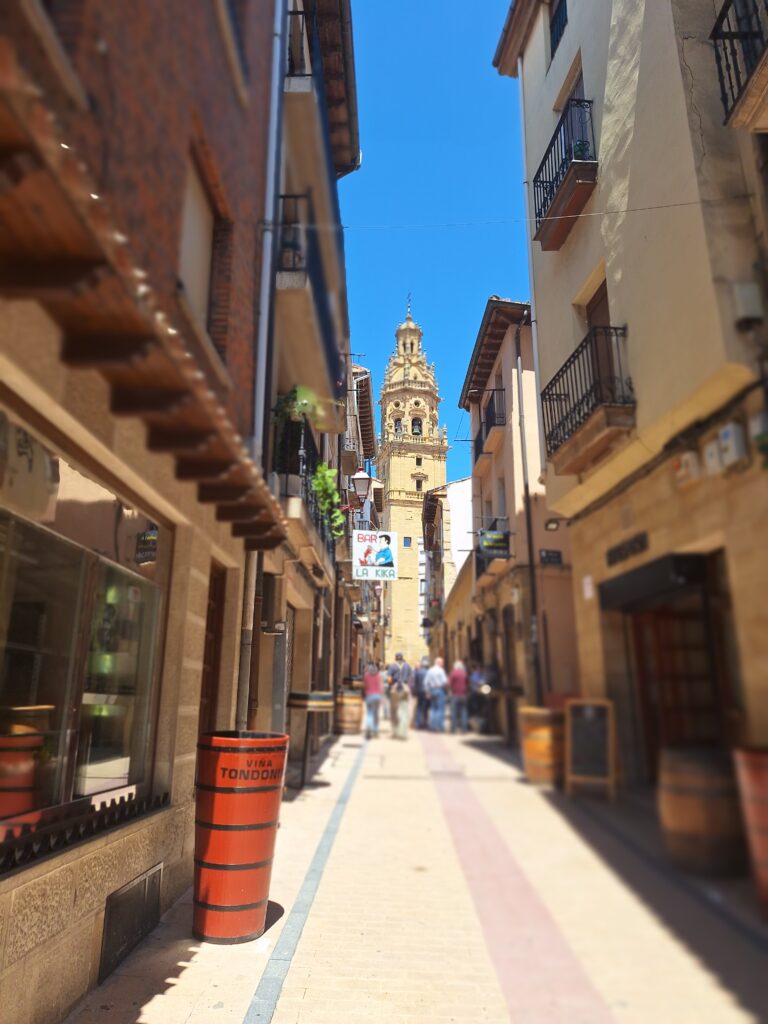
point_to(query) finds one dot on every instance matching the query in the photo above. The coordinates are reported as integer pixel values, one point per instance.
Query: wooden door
(680, 697)
(214, 625)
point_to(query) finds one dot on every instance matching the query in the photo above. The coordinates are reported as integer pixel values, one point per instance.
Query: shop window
(79, 615)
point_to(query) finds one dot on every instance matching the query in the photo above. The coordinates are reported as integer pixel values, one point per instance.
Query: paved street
(425, 881)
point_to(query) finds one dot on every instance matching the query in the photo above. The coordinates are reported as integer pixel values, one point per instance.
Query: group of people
(422, 693)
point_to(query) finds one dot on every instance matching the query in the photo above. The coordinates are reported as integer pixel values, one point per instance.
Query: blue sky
(440, 136)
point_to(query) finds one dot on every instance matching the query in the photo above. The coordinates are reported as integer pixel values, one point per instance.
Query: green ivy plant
(300, 401)
(329, 499)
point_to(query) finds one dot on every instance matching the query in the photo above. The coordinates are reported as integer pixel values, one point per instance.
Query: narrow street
(426, 881)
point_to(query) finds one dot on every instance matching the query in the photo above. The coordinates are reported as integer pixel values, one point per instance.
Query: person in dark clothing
(420, 693)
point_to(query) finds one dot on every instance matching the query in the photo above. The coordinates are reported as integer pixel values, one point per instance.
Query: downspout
(247, 685)
(531, 289)
(537, 681)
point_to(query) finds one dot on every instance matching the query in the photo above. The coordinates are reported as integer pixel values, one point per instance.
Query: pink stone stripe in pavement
(541, 979)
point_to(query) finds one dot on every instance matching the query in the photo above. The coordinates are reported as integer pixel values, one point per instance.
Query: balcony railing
(478, 443)
(740, 36)
(595, 375)
(299, 250)
(495, 414)
(557, 25)
(573, 141)
(296, 455)
(305, 60)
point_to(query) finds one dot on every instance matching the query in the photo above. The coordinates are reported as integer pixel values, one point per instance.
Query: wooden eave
(498, 315)
(334, 25)
(515, 34)
(60, 246)
(366, 415)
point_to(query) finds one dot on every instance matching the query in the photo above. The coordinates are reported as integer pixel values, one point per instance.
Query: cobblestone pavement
(424, 881)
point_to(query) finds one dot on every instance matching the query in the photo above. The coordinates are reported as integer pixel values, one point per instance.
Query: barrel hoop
(235, 828)
(218, 906)
(15, 750)
(242, 750)
(237, 789)
(698, 791)
(232, 867)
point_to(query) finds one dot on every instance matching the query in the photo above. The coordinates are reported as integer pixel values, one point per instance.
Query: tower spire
(408, 313)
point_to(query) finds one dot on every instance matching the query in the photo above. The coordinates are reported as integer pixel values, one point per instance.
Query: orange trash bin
(240, 779)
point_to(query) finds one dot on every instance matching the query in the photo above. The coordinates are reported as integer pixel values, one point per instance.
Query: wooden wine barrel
(240, 777)
(752, 771)
(542, 737)
(698, 805)
(349, 711)
(18, 759)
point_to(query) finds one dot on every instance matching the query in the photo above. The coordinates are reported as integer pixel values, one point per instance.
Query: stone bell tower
(411, 461)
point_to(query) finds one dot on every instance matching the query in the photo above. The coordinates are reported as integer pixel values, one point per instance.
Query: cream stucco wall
(668, 224)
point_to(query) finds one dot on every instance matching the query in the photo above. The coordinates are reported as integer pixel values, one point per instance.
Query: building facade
(146, 304)
(648, 270)
(411, 461)
(524, 622)
(448, 543)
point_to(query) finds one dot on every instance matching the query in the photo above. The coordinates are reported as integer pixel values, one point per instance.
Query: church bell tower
(411, 461)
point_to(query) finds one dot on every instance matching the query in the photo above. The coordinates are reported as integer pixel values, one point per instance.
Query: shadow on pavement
(716, 919)
(274, 913)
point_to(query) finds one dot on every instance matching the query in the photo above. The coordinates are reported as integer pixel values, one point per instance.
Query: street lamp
(361, 484)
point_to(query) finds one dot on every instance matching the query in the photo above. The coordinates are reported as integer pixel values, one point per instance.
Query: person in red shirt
(372, 690)
(458, 686)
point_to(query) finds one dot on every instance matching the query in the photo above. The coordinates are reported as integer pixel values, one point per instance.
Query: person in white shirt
(436, 683)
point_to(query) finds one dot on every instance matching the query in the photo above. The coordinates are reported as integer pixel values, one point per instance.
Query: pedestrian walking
(420, 694)
(458, 684)
(437, 685)
(400, 681)
(384, 676)
(372, 689)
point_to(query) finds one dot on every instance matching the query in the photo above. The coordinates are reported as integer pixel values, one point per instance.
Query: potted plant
(329, 499)
(582, 150)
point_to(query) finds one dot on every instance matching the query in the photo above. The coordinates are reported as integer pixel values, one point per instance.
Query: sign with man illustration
(374, 555)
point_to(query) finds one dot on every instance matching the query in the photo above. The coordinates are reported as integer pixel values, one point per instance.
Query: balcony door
(603, 358)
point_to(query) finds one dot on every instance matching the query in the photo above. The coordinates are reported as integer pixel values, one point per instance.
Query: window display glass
(79, 615)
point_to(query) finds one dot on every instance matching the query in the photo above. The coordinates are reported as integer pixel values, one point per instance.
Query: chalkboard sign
(590, 744)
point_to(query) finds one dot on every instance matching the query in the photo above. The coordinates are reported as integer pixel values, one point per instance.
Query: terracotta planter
(752, 773)
(698, 803)
(542, 739)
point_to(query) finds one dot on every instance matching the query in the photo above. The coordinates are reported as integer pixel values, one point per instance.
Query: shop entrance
(683, 690)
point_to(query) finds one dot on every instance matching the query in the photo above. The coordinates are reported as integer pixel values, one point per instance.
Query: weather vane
(409, 303)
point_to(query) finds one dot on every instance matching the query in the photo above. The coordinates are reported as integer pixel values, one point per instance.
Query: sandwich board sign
(374, 555)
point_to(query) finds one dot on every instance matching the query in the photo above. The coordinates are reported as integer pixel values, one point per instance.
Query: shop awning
(61, 246)
(653, 583)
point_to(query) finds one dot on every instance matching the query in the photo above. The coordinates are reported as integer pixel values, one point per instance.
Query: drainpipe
(247, 686)
(531, 290)
(537, 681)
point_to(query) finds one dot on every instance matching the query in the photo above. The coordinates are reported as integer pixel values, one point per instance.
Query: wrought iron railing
(573, 140)
(740, 36)
(299, 250)
(296, 455)
(495, 414)
(596, 374)
(305, 60)
(557, 25)
(477, 444)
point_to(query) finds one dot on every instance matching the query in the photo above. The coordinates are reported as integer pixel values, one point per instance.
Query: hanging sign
(493, 544)
(374, 555)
